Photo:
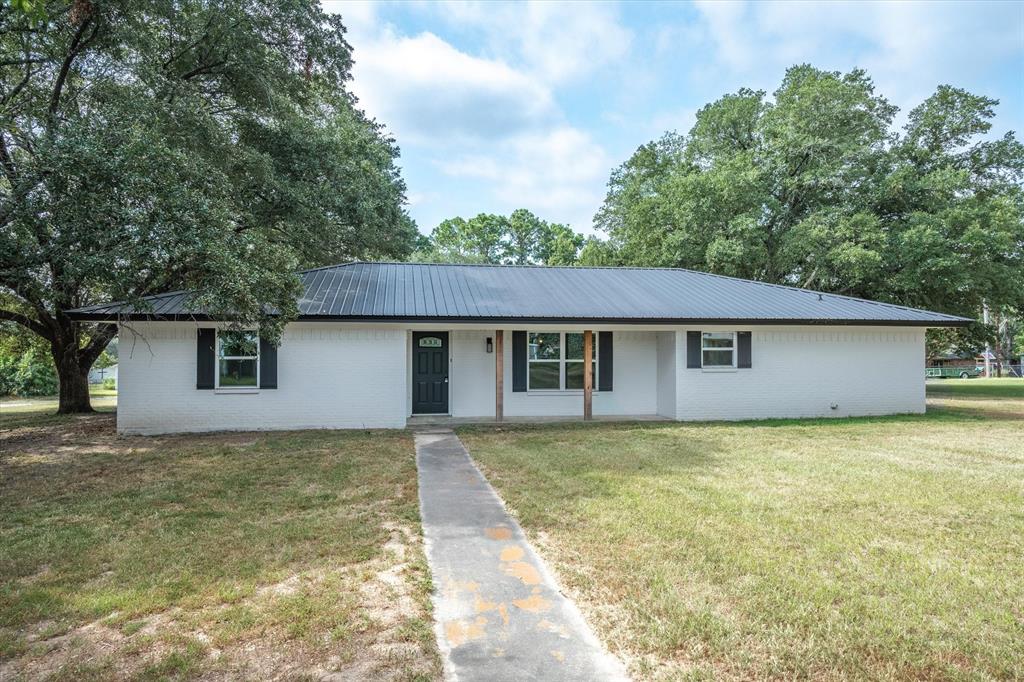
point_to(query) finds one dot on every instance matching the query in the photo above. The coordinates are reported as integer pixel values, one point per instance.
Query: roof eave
(150, 317)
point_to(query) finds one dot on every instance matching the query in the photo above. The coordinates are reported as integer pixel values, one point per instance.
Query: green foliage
(149, 146)
(519, 239)
(598, 253)
(33, 9)
(480, 238)
(29, 374)
(814, 188)
(109, 383)
(105, 360)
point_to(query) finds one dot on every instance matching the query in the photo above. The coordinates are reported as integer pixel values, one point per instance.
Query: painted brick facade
(334, 375)
(803, 371)
(329, 377)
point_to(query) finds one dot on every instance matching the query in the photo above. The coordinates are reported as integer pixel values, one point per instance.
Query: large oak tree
(150, 145)
(815, 187)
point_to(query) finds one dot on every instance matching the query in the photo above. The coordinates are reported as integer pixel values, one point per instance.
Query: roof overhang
(149, 317)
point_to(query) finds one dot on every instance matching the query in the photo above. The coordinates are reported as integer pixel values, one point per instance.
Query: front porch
(539, 373)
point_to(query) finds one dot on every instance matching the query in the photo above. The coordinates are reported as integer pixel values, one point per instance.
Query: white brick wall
(329, 376)
(472, 373)
(667, 374)
(802, 371)
(343, 376)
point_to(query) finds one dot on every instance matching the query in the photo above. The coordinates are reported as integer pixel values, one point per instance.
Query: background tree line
(517, 239)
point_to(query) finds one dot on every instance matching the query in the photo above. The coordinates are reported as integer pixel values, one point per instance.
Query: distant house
(384, 344)
(98, 375)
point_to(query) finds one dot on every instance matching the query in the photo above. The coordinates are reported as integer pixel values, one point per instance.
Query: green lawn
(249, 556)
(865, 548)
(1005, 387)
(102, 399)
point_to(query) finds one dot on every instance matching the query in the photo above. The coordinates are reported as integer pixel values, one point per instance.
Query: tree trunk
(73, 377)
(74, 388)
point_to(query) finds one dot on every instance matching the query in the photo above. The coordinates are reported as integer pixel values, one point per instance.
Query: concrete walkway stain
(498, 610)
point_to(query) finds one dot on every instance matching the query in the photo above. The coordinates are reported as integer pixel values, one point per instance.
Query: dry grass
(223, 556)
(884, 548)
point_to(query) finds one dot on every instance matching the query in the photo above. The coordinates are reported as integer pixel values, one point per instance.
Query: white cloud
(426, 90)
(906, 47)
(555, 42)
(489, 120)
(559, 174)
(725, 20)
(357, 15)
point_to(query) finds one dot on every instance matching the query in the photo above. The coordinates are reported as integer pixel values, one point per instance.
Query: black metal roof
(421, 292)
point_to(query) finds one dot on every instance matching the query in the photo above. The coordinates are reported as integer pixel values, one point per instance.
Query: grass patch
(861, 548)
(982, 398)
(16, 411)
(1011, 388)
(181, 557)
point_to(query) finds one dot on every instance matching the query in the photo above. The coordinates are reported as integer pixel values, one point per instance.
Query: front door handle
(446, 380)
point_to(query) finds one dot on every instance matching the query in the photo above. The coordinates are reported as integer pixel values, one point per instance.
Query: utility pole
(988, 348)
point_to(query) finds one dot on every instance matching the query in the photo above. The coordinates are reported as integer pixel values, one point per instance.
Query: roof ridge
(331, 267)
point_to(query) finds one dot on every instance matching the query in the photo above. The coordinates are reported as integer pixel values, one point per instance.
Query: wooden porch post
(499, 375)
(588, 368)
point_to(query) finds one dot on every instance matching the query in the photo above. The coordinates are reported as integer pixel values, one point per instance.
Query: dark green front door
(430, 372)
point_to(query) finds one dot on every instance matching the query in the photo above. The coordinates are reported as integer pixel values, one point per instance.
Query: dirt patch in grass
(883, 548)
(219, 556)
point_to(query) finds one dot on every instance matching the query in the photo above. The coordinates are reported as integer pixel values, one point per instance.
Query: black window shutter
(206, 360)
(605, 361)
(518, 362)
(693, 350)
(743, 350)
(268, 364)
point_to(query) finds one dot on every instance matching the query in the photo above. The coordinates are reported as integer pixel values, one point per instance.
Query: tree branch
(27, 322)
(78, 42)
(205, 35)
(205, 68)
(5, 160)
(19, 87)
(98, 341)
(26, 60)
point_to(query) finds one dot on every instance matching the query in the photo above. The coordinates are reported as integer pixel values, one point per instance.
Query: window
(238, 359)
(718, 349)
(556, 361)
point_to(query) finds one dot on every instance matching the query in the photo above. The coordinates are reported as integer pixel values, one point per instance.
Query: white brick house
(379, 343)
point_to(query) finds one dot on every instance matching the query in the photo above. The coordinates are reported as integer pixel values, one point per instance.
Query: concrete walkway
(499, 613)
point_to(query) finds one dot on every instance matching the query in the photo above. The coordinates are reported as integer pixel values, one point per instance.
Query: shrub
(109, 383)
(31, 374)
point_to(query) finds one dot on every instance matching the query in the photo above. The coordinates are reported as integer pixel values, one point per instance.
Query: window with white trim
(555, 361)
(718, 349)
(238, 359)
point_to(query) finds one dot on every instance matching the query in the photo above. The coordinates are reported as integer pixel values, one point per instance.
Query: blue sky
(499, 106)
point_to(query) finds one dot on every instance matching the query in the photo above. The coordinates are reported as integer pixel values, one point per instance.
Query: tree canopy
(814, 187)
(149, 145)
(518, 239)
